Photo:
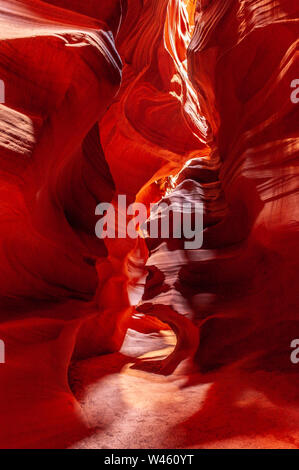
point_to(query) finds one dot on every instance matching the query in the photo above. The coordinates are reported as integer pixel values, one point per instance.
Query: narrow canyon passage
(145, 342)
(227, 409)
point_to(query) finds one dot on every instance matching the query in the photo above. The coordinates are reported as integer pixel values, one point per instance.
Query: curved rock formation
(161, 101)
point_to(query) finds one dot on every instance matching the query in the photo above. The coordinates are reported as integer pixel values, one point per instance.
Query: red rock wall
(242, 60)
(137, 98)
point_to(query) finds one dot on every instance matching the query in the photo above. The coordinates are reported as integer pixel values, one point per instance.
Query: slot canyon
(141, 342)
